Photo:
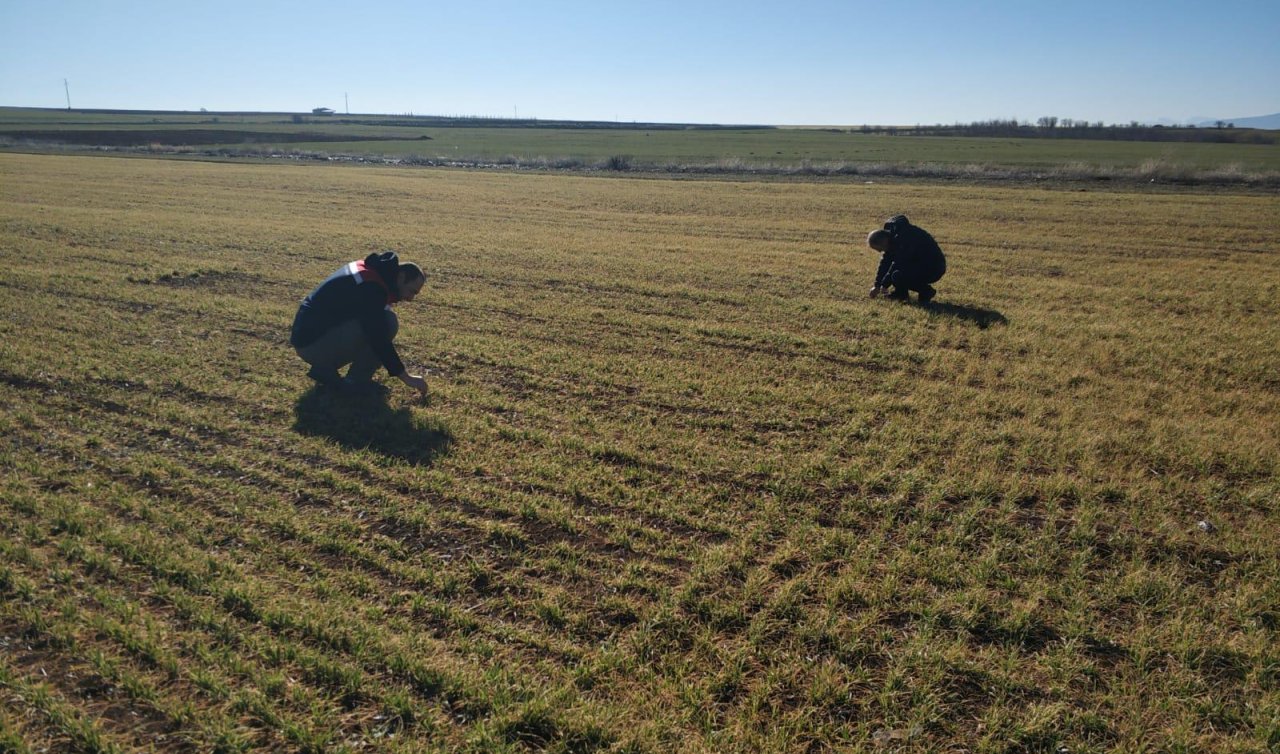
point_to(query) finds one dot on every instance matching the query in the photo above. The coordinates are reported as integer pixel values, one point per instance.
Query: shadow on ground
(983, 318)
(368, 422)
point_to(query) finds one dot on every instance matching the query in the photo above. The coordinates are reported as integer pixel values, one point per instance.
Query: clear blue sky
(808, 62)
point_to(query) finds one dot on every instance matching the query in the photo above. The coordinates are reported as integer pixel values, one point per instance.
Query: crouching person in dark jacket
(910, 260)
(348, 319)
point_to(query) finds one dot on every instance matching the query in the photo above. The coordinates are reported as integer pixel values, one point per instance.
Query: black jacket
(911, 250)
(359, 290)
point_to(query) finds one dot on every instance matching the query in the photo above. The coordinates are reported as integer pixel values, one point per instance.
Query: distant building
(322, 111)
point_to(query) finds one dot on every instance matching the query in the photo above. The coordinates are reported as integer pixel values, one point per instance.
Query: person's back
(916, 248)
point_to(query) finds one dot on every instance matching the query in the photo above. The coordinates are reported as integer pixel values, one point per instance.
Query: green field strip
(731, 150)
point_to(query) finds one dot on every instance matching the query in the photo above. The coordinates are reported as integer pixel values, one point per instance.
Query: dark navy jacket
(911, 250)
(358, 290)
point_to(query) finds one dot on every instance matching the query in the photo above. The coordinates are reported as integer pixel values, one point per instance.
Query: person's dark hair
(878, 239)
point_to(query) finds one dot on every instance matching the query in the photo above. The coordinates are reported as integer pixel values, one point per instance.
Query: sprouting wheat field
(680, 486)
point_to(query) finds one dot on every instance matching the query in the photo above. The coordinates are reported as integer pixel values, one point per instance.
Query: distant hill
(1257, 121)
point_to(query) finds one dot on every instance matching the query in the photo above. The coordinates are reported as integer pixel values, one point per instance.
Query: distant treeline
(1067, 128)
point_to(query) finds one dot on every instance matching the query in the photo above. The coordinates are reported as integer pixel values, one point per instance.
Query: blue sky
(808, 62)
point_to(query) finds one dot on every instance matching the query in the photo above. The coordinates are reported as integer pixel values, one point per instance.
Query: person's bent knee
(339, 345)
(316, 357)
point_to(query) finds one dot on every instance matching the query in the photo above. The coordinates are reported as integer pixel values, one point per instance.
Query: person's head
(409, 280)
(878, 240)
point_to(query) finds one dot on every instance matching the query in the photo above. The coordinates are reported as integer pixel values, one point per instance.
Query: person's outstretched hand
(876, 291)
(415, 381)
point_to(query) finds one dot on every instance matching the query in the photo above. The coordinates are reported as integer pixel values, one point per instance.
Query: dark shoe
(899, 294)
(326, 377)
(927, 294)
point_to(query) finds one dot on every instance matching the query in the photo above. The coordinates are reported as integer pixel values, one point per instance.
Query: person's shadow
(983, 318)
(367, 422)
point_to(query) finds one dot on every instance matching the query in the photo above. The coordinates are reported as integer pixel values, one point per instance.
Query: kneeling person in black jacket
(347, 319)
(911, 260)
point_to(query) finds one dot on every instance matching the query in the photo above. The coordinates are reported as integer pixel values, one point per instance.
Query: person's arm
(375, 328)
(883, 271)
(414, 381)
(374, 324)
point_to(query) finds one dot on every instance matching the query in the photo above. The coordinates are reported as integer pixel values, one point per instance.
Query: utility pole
(347, 101)
(67, 86)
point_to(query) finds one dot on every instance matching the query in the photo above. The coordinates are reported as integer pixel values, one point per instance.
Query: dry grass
(681, 486)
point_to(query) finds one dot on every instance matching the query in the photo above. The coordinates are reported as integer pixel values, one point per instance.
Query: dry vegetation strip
(681, 486)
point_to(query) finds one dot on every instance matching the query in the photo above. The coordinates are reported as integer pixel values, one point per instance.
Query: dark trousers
(913, 280)
(347, 344)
